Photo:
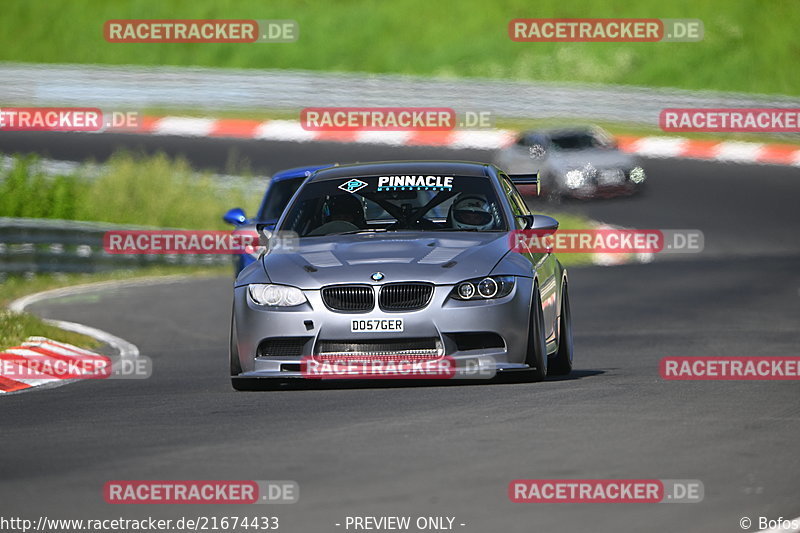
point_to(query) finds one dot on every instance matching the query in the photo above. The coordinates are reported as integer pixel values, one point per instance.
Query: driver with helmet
(470, 212)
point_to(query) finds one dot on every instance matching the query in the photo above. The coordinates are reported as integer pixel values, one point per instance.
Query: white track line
(187, 126)
(19, 305)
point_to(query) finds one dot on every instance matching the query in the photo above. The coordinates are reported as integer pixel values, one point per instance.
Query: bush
(152, 191)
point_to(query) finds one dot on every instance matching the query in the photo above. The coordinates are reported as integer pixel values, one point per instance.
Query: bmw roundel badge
(377, 276)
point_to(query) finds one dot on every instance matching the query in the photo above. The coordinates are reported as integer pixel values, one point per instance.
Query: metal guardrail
(133, 87)
(32, 245)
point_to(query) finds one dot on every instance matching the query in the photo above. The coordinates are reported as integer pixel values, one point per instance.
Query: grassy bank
(144, 190)
(153, 191)
(749, 45)
(16, 327)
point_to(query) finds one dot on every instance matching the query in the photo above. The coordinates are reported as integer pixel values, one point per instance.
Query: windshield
(395, 203)
(278, 195)
(578, 141)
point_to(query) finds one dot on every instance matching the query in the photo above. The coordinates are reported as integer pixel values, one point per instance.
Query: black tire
(239, 384)
(561, 364)
(537, 347)
(236, 366)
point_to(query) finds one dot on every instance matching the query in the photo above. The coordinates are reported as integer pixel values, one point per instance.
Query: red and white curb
(43, 353)
(292, 130)
(723, 151)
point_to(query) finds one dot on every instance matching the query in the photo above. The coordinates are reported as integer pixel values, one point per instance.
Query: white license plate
(362, 325)
(610, 177)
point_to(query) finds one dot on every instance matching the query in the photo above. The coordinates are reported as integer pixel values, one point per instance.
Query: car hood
(600, 159)
(437, 257)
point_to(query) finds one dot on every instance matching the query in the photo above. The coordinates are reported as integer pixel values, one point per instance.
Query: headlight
(465, 290)
(483, 288)
(574, 179)
(637, 175)
(275, 295)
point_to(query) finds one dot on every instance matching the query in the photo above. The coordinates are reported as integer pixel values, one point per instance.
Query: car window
(579, 141)
(277, 197)
(532, 140)
(395, 203)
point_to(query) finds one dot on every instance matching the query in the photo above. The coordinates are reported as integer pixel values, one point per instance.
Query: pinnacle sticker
(353, 185)
(415, 183)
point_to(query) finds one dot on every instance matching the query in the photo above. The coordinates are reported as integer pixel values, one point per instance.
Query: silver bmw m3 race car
(402, 260)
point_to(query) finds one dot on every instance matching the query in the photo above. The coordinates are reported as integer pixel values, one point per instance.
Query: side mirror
(527, 219)
(264, 234)
(235, 216)
(544, 222)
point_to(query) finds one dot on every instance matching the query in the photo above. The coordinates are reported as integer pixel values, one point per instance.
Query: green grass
(144, 190)
(568, 221)
(749, 45)
(17, 327)
(152, 191)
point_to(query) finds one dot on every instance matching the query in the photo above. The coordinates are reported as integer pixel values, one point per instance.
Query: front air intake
(349, 298)
(405, 296)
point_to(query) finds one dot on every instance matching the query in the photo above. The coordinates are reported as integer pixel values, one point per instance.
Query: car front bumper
(487, 331)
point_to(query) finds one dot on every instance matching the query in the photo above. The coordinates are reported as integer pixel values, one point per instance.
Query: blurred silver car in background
(577, 162)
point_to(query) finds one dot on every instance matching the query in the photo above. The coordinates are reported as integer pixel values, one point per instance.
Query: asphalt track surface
(446, 450)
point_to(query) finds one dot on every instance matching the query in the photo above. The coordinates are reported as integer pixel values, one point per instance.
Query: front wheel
(562, 362)
(537, 347)
(236, 366)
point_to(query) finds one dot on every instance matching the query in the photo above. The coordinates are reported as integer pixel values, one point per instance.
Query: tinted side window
(532, 140)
